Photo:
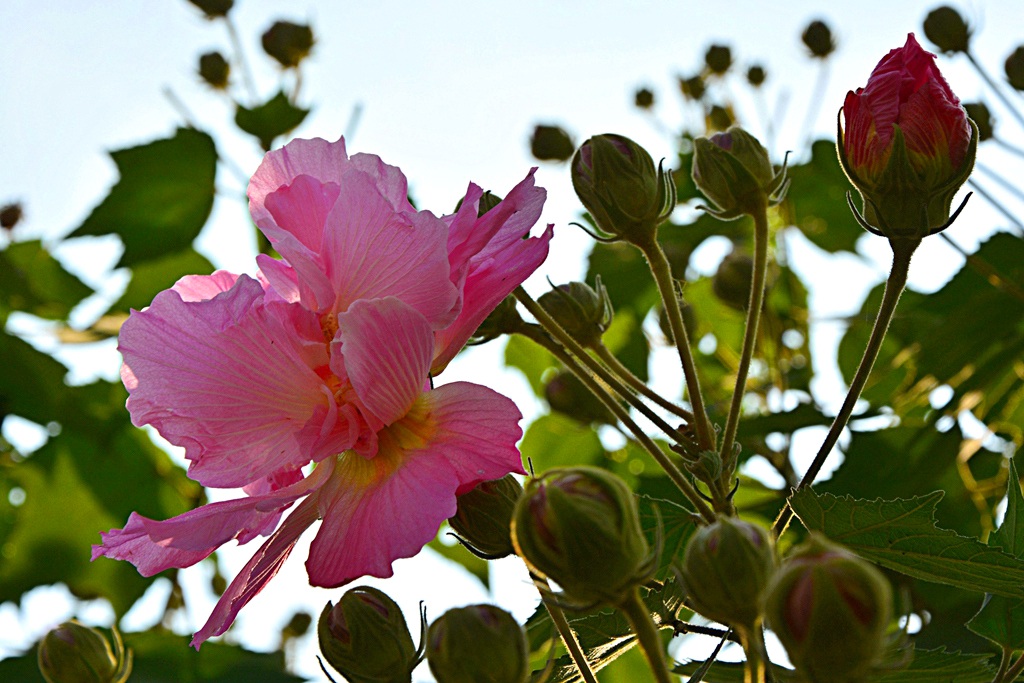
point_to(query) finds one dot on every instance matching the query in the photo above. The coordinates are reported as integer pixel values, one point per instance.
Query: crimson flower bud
(365, 637)
(830, 609)
(907, 145)
(74, 653)
(288, 43)
(551, 143)
(483, 517)
(214, 69)
(733, 170)
(726, 569)
(580, 527)
(477, 643)
(617, 182)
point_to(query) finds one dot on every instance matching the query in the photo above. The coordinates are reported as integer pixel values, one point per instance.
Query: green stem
(754, 306)
(647, 634)
(670, 300)
(753, 647)
(1014, 671)
(1004, 664)
(564, 630)
(634, 382)
(673, 472)
(902, 250)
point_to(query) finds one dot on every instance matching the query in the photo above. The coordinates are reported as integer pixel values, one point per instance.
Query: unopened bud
(10, 215)
(693, 88)
(288, 43)
(483, 517)
(756, 75)
(365, 637)
(818, 39)
(504, 319)
(214, 8)
(733, 170)
(214, 69)
(982, 117)
(477, 643)
(1014, 68)
(644, 98)
(732, 280)
(566, 394)
(947, 29)
(551, 143)
(580, 527)
(583, 312)
(617, 182)
(831, 610)
(718, 59)
(726, 569)
(74, 653)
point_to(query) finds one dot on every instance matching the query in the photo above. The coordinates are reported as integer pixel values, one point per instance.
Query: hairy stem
(564, 630)
(674, 473)
(646, 632)
(634, 382)
(753, 648)
(754, 306)
(670, 300)
(902, 250)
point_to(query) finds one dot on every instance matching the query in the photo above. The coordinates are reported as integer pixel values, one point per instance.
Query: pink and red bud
(75, 653)
(477, 643)
(617, 182)
(907, 145)
(365, 637)
(831, 610)
(580, 527)
(726, 569)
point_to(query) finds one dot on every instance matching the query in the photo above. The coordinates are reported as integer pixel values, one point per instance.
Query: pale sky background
(450, 91)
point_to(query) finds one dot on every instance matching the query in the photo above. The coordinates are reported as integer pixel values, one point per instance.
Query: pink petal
(301, 209)
(489, 281)
(263, 566)
(371, 252)
(389, 180)
(226, 380)
(203, 287)
(378, 510)
(386, 347)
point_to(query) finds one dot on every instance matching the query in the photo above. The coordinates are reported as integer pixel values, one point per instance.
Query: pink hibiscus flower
(327, 359)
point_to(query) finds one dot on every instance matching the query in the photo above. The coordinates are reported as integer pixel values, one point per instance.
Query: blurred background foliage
(944, 409)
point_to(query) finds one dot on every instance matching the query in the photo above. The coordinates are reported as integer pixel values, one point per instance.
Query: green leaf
(556, 441)
(531, 359)
(927, 666)
(673, 522)
(153, 276)
(816, 200)
(901, 535)
(162, 199)
(31, 382)
(1001, 619)
(273, 118)
(31, 280)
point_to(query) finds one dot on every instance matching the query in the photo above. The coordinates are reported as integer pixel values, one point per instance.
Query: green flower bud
(214, 8)
(692, 88)
(477, 644)
(718, 59)
(483, 517)
(567, 395)
(74, 653)
(947, 29)
(583, 312)
(644, 98)
(579, 526)
(10, 215)
(617, 182)
(982, 117)
(830, 609)
(756, 76)
(214, 69)
(1014, 68)
(551, 143)
(719, 118)
(732, 280)
(818, 39)
(733, 170)
(365, 637)
(504, 319)
(726, 569)
(288, 43)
